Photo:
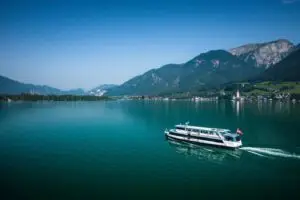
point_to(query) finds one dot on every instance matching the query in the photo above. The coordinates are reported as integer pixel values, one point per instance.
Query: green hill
(9, 86)
(205, 70)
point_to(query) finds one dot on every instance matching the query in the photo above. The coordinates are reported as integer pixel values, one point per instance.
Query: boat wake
(270, 152)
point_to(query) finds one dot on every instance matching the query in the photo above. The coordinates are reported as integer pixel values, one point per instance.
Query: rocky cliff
(263, 55)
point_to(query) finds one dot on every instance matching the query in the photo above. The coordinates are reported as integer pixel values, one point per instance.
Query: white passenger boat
(203, 135)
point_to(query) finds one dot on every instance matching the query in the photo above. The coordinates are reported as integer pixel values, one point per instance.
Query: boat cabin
(204, 130)
(232, 137)
(226, 133)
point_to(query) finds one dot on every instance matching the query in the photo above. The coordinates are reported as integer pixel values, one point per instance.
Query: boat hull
(199, 142)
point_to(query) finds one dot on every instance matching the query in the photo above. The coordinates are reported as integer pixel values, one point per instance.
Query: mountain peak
(211, 55)
(101, 89)
(253, 46)
(282, 40)
(216, 53)
(263, 54)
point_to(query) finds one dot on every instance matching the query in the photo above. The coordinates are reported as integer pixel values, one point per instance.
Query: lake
(117, 150)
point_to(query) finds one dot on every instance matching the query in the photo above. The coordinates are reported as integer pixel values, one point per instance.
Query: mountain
(206, 70)
(101, 89)
(9, 86)
(263, 55)
(286, 70)
(77, 91)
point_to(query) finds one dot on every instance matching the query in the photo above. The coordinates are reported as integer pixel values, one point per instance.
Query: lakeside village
(237, 96)
(261, 92)
(284, 97)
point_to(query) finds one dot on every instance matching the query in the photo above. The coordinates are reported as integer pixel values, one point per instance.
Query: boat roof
(203, 128)
(231, 134)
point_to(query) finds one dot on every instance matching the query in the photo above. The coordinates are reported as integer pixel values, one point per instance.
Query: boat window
(180, 128)
(197, 137)
(237, 138)
(228, 138)
(195, 130)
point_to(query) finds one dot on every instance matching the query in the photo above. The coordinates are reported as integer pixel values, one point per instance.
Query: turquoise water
(117, 150)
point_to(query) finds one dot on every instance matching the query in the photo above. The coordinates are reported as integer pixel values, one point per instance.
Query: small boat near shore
(204, 135)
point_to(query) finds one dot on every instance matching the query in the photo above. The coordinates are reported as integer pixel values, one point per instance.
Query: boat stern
(233, 145)
(238, 144)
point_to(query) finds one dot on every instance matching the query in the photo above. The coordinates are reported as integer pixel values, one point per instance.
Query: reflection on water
(282, 107)
(211, 154)
(242, 108)
(237, 107)
(277, 107)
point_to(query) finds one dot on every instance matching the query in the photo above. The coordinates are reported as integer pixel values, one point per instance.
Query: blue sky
(71, 44)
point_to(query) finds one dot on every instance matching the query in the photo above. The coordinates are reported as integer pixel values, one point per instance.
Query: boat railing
(219, 135)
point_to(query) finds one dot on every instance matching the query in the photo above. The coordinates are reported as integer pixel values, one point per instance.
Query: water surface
(117, 149)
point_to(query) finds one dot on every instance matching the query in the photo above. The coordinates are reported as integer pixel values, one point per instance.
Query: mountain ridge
(263, 55)
(207, 69)
(101, 89)
(10, 86)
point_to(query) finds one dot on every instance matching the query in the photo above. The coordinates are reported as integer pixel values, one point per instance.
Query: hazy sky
(71, 44)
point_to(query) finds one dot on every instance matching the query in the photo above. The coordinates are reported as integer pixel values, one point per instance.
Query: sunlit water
(117, 149)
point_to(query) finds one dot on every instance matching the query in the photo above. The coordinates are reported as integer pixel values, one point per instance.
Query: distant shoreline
(37, 97)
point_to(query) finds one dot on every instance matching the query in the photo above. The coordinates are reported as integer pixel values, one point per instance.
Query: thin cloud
(289, 1)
